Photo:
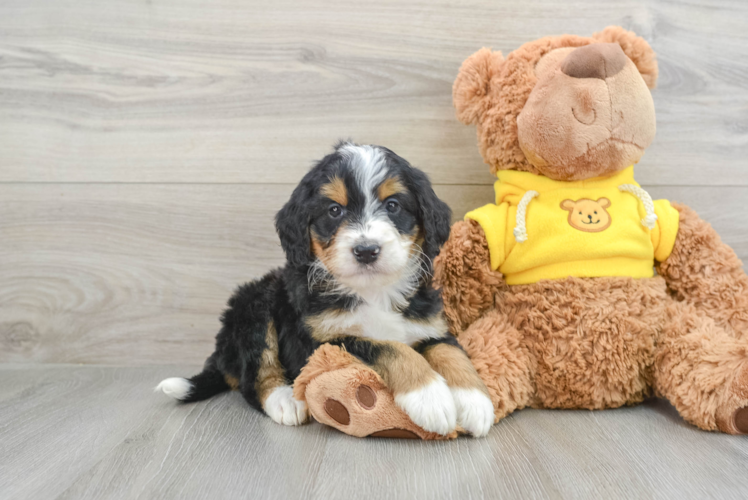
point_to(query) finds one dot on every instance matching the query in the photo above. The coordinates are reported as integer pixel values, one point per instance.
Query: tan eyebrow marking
(390, 186)
(335, 190)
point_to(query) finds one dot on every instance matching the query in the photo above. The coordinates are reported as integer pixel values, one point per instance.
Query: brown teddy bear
(551, 289)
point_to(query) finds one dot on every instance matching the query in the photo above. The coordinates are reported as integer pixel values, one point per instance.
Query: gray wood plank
(139, 274)
(253, 91)
(92, 432)
(99, 432)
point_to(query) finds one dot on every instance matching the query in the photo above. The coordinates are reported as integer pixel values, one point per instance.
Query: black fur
(420, 347)
(365, 350)
(206, 384)
(283, 297)
(435, 215)
(425, 303)
(292, 222)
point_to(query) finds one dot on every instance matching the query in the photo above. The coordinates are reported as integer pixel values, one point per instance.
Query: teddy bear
(573, 289)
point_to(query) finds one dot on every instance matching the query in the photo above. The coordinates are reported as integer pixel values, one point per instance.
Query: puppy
(359, 232)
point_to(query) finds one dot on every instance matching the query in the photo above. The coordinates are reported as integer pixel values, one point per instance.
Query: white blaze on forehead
(369, 168)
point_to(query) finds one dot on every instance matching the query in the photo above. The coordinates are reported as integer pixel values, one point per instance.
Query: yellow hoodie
(545, 229)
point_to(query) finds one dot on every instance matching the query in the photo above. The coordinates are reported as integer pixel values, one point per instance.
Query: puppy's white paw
(474, 410)
(284, 409)
(430, 407)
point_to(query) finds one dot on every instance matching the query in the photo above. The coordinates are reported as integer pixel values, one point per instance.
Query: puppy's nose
(366, 254)
(597, 60)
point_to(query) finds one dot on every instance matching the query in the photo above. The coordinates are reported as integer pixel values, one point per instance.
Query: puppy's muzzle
(366, 254)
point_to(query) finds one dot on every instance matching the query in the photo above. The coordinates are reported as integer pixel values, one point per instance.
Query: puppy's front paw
(474, 410)
(431, 407)
(283, 408)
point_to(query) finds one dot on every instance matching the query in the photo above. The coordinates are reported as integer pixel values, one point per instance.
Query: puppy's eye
(335, 211)
(393, 206)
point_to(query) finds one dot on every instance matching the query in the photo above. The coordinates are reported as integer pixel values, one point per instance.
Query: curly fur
(502, 360)
(705, 272)
(700, 368)
(462, 271)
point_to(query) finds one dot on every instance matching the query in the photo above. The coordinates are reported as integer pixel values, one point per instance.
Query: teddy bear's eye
(580, 213)
(595, 212)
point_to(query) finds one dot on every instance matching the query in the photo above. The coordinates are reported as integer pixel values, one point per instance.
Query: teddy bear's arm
(463, 272)
(705, 272)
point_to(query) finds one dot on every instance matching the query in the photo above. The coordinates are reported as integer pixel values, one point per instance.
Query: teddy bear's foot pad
(395, 433)
(740, 390)
(354, 401)
(344, 393)
(367, 399)
(740, 420)
(732, 417)
(337, 412)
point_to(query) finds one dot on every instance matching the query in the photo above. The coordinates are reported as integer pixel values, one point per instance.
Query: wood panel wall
(145, 146)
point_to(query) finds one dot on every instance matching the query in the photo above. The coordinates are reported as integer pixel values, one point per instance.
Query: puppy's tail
(202, 386)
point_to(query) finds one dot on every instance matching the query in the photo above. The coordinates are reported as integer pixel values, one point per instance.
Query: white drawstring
(520, 230)
(651, 218)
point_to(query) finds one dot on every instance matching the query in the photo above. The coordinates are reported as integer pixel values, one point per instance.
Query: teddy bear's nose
(597, 60)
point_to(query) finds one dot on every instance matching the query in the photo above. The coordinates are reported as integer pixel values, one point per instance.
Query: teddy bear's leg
(703, 370)
(344, 393)
(502, 360)
(705, 272)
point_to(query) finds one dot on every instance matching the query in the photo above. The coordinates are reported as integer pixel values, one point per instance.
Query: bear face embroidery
(588, 215)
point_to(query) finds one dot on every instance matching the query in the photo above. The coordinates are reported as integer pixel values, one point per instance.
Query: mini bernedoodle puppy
(359, 233)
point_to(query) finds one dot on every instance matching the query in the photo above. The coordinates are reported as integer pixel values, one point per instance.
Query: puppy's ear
(636, 48)
(292, 225)
(435, 215)
(472, 88)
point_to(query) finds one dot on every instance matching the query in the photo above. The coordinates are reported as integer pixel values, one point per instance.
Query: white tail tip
(176, 387)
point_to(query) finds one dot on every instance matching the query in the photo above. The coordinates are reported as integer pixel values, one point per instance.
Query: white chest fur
(379, 324)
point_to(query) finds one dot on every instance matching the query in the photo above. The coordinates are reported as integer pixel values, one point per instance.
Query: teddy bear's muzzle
(599, 60)
(590, 114)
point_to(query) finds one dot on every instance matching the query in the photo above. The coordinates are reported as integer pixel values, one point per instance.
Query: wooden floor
(99, 432)
(145, 147)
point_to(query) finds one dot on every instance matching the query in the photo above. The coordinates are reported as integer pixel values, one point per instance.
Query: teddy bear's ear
(568, 205)
(636, 48)
(603, 202)
(470, 92)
